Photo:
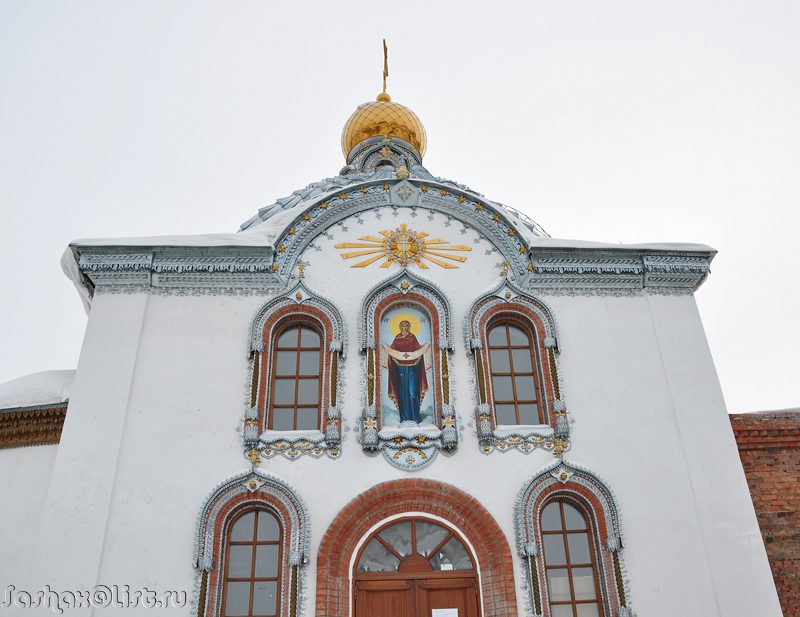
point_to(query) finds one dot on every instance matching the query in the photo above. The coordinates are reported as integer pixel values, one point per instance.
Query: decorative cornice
(32, 426)
(623, 271)
(181, 270)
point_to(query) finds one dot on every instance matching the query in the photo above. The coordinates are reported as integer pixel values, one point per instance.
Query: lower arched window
(570, 562)
(251, 586)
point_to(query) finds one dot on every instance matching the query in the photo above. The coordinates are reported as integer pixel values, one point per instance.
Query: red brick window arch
(338, 552)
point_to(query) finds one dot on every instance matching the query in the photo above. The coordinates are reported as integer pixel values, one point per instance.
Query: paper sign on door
(444, 612)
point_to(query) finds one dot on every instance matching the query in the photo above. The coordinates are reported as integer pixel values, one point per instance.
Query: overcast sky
(615, 121)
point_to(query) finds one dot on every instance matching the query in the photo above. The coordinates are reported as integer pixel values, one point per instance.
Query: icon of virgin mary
(407, 363)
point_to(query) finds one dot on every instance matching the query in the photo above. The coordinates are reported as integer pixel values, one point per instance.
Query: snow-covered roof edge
(42, 388)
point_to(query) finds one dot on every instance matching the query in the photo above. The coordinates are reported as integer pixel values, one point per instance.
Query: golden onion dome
(383, 118)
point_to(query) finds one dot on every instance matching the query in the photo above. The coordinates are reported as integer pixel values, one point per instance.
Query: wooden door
(386, 598)
(415, 597)
(456, 593)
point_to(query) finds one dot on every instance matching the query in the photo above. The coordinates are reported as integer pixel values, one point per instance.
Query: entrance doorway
(415, 567)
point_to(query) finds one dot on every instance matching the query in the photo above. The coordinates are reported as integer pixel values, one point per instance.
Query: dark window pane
(522, 360)
(551, 517)
(243, 527)
(583, 581)
(503, 390)
(265, 598)
(588, 610)
(429, 536)
(398, 536)
(562, 610)
(309, 338)
(309, 363)
(505, 414)
(573, 517)
(579, 548)
(377, 558)
(237, 599)
(268, 528)
(500, 362)
(308, 392)
(529, 414)
(525, 391)
(307, 419)
(497, 335)
(288, 338)
(517, 336)
(282, 419)
(452, 556)
(286, 363)
(266, 561)
(558, 585)
(284, 392)
(240, 562)
(554, 553)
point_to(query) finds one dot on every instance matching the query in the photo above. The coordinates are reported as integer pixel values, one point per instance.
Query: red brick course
(769, 446)
(415, 495)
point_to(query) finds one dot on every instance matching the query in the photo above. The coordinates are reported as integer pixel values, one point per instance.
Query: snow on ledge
(43, 388)
(526, 430)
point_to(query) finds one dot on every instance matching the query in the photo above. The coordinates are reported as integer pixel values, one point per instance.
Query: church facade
(388, 395)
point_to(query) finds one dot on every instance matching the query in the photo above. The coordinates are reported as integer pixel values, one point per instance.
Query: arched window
(252, 566)
(573, 587)
(296, 379)
(515, 384)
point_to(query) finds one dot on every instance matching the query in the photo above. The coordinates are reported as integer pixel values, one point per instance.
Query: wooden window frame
(254, 543)
(568, 566)
(296, 376)
(507, 321)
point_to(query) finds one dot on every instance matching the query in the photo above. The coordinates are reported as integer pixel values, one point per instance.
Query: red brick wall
(769, 446)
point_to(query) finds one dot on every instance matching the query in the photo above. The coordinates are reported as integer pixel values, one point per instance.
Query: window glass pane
(573, 517)
(579, 548)
(505, 414)
(497, 335)
(551, 517)
(525, 390)
(309, 363)
(242, 529)
(503, 390)
(554, 553)
(517, 336)
(522, 360)
(309, 338)
(237, 599)
(499, 360)
(282, 420)
(288, 338)
(429, 536)
(583, 581)
(240, 561)
(307, 419)
(398, 536)
(308, 392)
(266, 561)
(377, 558)
(265, 598)
(452, 556)
(286, 363)
(284, 392)
(529, 414)
(268, 528)
(588, 610)
(561, 610)
(558, 584)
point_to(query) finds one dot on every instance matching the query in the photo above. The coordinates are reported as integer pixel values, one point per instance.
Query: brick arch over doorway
(415, 495)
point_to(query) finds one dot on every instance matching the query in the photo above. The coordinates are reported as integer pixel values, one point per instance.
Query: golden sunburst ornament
(404, 246)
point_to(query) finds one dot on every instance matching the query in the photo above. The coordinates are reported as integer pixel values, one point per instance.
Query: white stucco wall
(157, 406)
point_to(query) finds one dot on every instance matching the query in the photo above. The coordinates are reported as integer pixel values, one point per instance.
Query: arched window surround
(566, 481)
(408, 448)
(246, 491)
(507, 302)
(297, 306)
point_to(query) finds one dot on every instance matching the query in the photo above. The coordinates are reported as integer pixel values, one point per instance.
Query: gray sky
(616, 121)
